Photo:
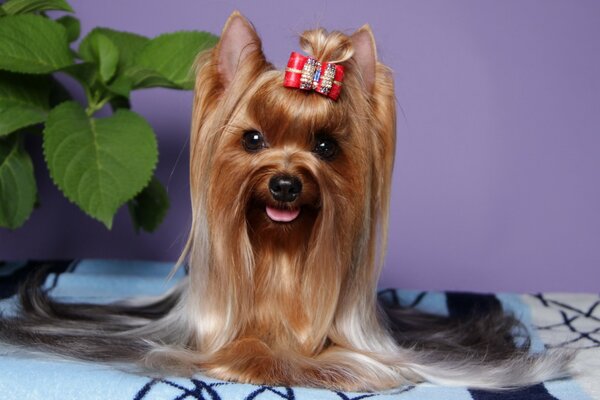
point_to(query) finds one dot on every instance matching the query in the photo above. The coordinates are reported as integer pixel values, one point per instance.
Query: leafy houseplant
(99, 164)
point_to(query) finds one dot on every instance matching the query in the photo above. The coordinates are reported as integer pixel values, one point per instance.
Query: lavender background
(496, 183)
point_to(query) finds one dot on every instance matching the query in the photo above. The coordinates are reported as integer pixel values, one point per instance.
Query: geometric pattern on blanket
(202, 390)
(571, 320)
(562, 323)
(575, 325)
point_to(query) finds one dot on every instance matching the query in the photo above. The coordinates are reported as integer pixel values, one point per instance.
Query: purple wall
(497, 180)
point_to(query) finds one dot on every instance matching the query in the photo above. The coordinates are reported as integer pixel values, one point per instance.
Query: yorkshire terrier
(290, 189)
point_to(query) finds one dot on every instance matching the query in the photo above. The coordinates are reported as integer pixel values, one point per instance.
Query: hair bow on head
(306, 73)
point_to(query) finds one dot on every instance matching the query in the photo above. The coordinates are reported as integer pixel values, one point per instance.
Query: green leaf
(99, 49)
(13, 7)
(146, 78)
(33, 44)
(149, 207)
(72, 26)
(99, 164)
(121, 86)
(17, 183)
(129, 45)
(23, 101)
(172, 55)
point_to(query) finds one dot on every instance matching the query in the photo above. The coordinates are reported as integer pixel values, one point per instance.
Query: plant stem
(95, 106)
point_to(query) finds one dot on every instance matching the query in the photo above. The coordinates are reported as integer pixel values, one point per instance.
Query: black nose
(285, 188)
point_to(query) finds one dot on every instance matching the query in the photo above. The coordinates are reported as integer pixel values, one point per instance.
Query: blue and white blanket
(554, 320)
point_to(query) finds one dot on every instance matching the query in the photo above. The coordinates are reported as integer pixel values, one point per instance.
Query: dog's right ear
(239, 45)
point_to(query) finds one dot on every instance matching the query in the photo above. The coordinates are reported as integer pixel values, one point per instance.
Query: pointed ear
(365, 55)
(238, 41)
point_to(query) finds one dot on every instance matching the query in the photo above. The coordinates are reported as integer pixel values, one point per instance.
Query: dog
(290, 180)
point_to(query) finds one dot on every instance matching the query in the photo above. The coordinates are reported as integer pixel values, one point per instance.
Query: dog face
(291, 162)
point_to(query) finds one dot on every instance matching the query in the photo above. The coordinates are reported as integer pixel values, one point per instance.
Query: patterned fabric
(554, 320)
(572, 320)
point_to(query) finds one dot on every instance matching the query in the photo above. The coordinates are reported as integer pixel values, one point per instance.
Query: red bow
(306, 73)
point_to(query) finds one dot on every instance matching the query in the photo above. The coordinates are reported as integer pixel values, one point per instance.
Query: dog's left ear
(239, 44)
(378, 81)
(365, 55)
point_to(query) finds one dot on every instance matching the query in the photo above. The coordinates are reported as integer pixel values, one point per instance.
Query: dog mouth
(283, 215)
(283, 203)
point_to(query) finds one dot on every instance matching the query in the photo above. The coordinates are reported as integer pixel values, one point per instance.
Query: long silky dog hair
(286, 303)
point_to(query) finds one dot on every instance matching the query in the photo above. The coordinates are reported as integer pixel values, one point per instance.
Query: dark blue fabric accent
(345, 396)
(144, 390)
(535, 392)
(200, 391)
(206, 391)
(417, 300)
(288, 395)
(465, 305)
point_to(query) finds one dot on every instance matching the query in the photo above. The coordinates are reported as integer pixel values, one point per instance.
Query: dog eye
(326, 148)
(253, 141)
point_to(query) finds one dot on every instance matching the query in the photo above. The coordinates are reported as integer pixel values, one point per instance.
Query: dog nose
(285, 188)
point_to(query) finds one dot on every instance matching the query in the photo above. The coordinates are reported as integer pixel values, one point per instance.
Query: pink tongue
(280, 215)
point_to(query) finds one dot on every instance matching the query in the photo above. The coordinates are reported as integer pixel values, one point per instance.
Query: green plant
(99, 164)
